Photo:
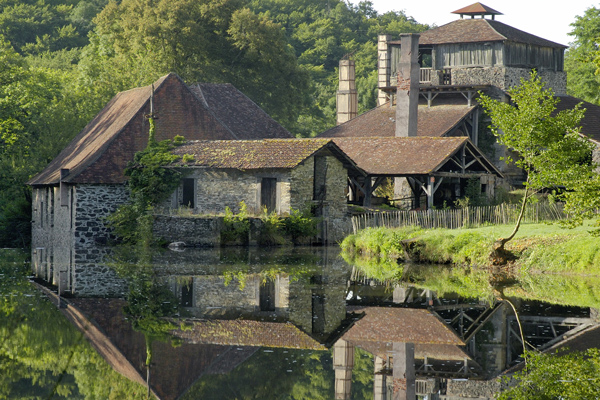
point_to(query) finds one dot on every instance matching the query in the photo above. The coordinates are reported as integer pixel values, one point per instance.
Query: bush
(236, 226)
(301, 225)
(270, 232)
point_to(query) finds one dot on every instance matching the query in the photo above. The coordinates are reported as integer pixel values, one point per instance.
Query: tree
(547, 143)
(136, 41)
(582, 60)
(552, 376)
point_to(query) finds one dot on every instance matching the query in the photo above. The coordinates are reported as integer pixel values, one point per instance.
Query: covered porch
(436, 170)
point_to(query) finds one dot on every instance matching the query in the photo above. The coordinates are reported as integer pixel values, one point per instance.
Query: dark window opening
(267, 295)
(268, 194)
(318, 313)
(187, 294)
(187, 198)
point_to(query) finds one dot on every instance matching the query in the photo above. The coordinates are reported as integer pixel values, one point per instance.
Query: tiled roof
(477, 9)
(91, 142)
(480, 30)
(400, 156)
(244, 118)
(247, 333)
(381, 121)
(101, 151)
(406, 325)
(590, 124)
(250, 154)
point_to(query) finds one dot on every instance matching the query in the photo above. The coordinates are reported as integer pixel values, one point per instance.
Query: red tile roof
(247, 333)
(381, 121)
(590, 124)
(100, 152)
(400, 156)
(480, 30)
(477, 9)
(407, 325)
(250, 154)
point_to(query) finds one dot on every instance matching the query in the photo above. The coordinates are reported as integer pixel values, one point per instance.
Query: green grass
(539, 247)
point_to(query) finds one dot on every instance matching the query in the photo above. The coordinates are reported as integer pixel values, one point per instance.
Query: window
(187, 196)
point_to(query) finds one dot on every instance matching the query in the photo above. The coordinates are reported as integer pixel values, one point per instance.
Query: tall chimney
(407, 95)
(383, 67)
(347, 97)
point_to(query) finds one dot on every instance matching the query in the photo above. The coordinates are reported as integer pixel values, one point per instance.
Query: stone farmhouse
(425, 134)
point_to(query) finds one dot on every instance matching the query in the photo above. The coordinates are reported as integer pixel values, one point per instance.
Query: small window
(267, 295)
(187, 197)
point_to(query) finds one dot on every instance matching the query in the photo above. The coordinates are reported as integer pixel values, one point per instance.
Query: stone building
(85, 182)
(450, 64)
(279, 175)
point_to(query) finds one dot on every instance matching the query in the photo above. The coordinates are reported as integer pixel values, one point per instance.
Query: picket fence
(459, 217)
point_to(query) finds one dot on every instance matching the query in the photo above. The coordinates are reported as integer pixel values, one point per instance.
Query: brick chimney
(407, 94)
(383, 67)
(347, 97)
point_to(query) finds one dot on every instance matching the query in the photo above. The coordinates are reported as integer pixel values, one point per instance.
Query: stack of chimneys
(407, 93)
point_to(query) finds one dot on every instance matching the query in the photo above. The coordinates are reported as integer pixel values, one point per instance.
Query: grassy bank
(538, 247)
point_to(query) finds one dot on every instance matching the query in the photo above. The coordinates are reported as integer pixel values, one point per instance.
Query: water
(277, 323)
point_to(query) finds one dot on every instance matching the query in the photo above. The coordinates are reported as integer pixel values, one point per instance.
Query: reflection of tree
(41, 353)
(551, 376)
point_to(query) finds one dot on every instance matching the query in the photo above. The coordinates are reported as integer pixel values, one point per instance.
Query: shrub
(236, 226)
(301, 225)
(270, 232)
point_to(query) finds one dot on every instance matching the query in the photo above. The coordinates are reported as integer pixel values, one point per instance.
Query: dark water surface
(250, 323)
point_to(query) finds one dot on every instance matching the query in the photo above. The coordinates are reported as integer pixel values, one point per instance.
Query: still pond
(251, 323)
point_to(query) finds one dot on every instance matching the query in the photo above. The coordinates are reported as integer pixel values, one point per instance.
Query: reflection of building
(311, 297)
(411, 348)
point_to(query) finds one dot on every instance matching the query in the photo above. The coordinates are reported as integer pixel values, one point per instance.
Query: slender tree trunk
(501, 256)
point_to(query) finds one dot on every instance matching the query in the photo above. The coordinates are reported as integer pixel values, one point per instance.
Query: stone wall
(504, 78)
(93, 204)
(216, 189)
(194, 231)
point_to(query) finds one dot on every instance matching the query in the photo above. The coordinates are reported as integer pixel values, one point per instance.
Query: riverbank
(537, 247)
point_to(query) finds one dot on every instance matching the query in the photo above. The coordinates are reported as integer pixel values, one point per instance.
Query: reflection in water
(256, 323)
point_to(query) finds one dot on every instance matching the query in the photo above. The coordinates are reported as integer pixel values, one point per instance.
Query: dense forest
(62, 60)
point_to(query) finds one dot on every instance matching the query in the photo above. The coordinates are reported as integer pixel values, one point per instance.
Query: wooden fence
(460, 217)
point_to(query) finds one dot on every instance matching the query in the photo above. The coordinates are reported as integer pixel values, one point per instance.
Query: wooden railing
(460, 217)
(425, 75)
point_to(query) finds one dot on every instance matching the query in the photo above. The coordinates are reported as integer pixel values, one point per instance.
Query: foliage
(43, 355)
(582, 58)
(270, 232)
(473, 196)
(573, 375)
(150, 183)
(548, 145)
(300, 225)
(236, 226)
(37, 119)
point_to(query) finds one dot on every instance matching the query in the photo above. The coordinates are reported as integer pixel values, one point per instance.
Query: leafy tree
(551, 376)
(36, 122)
(582, 58)
(547, 143)
(136, 41)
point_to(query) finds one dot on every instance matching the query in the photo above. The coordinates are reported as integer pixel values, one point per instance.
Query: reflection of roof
(406, 325)
(381, 121)
(247, 333)
(480, 30)
(250, 154)
(100, 152)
